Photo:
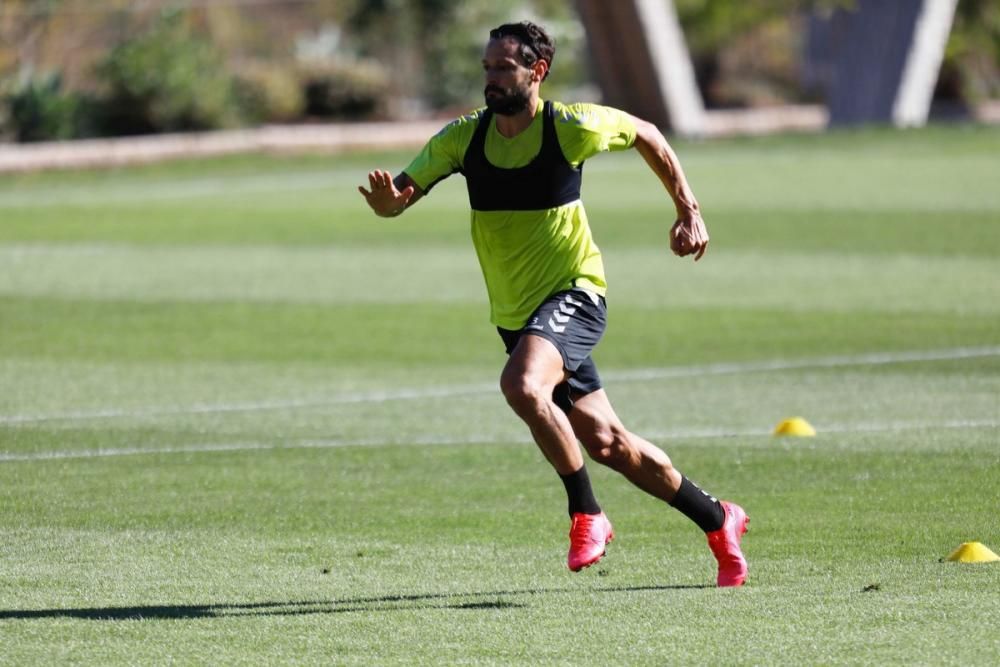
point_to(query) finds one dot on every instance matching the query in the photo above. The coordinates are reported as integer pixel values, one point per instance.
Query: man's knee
(523, 391)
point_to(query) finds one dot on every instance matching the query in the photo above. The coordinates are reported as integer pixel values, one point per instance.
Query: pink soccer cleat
(725, 545)
(588, 536)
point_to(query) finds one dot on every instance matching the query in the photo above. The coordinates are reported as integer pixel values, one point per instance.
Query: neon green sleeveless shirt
(526, 256)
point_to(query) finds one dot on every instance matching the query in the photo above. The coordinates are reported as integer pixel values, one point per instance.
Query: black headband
(522, 35)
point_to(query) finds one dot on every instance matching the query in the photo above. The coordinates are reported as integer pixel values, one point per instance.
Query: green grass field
(243, 421)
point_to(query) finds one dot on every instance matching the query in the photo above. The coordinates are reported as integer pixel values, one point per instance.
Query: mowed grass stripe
(872, 174)
(277, 274)
(335, 220)
(334, 275)
(429, 333)
(802, 193)
(751, 438)
(417, 393)
(915, 394)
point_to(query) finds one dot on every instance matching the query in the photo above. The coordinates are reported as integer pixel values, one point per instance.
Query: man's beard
(510, 102)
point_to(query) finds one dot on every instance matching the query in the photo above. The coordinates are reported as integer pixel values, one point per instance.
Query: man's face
(508, 81)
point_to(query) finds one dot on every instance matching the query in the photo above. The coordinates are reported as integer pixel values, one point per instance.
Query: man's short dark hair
(535, 42)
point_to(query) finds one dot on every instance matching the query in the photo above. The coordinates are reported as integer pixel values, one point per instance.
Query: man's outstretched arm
(390, 196)
(688, 235)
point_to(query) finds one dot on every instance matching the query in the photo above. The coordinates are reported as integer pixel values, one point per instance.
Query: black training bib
(546, 182)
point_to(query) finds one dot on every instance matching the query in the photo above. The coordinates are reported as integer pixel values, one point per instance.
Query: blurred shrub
(340, 89)
(166, 79)
(208, 66)
(269, 93)
(972, 59)
(38, 109)
(435, 47)
(748, 53)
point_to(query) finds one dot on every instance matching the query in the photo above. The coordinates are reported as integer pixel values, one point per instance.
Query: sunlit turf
(244, 421)
(347, 556)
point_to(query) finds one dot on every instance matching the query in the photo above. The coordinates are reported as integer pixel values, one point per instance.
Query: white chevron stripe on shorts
(563, 319)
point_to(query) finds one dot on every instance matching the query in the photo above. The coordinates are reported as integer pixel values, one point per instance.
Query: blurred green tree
(436, 46)
(972, 59)
(39, 109)
(227, 62)
(166, 78)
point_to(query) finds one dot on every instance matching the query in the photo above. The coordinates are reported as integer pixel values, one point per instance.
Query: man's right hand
(385, 199)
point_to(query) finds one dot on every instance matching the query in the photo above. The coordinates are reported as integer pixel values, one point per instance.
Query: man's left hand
(689, 236)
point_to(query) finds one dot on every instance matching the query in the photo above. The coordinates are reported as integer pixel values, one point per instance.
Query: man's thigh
(535, 358)
(571, 323)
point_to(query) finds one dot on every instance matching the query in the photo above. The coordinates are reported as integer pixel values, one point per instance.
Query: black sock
(699, 506)
(578, 491)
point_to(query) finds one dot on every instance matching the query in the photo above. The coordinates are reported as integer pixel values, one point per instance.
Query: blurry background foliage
(77, 68)
(167, 78)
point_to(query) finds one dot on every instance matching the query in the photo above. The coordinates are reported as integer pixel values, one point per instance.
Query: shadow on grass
(461, 601)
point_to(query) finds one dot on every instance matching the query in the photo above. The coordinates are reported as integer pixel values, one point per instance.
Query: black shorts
(574, 321)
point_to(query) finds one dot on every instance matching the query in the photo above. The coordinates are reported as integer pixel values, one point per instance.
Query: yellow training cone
(973, 552)
(795, 426)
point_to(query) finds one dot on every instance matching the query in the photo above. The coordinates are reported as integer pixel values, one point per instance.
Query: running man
(522, 159)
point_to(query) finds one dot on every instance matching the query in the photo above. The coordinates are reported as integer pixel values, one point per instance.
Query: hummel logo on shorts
(568, 307)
